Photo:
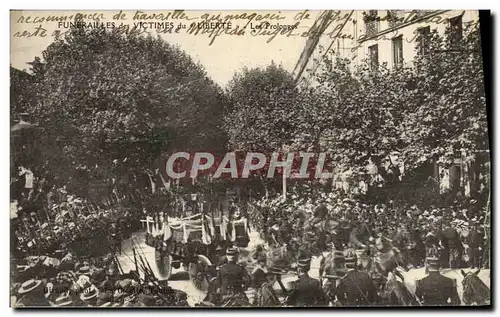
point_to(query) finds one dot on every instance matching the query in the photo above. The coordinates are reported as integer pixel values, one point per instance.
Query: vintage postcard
(334, 158)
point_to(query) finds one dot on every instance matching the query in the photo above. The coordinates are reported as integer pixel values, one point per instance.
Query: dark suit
(475, 240)
(258, 278)
(436, 290)
(357, 289)
(307, 292)
(232, 277)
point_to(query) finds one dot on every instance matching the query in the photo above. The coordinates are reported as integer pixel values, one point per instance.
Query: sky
(226, 55)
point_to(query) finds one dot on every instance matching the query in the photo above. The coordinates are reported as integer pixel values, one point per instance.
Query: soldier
(475, 240)
(115, 238)
(307, 291)
(356, 288)
(452, 252)
(233, 277)
(436, 289)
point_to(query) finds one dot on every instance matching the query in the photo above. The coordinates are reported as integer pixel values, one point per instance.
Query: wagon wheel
(164, 264)
(198, 272)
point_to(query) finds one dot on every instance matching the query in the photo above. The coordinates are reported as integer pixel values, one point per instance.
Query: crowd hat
(84, 270)
(63, 301)
(230, 253)
(351, 260)
(304, 261)
(89, 293)
(433, 263)
(29, 286)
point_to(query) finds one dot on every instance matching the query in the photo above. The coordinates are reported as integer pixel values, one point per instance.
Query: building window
(424, 39)
(456, 29)
(372, 23)
(373, 55)
(397, 51)
(421, 13)
(395, 17)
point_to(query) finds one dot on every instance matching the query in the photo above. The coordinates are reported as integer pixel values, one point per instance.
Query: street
(180, 279)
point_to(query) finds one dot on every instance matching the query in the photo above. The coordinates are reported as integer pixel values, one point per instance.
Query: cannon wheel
(197, 272)
(164, 264)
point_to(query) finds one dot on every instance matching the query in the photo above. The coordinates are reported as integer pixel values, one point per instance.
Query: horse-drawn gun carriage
(196, 238)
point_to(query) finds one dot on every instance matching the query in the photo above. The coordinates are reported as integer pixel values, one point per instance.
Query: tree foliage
(262, 115)
(110, 103)
(382, 125)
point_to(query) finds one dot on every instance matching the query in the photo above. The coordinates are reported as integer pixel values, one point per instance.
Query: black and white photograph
(228, 159)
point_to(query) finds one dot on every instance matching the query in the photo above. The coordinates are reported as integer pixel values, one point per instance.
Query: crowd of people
(458, 235)
(64, 249)
(71, 281)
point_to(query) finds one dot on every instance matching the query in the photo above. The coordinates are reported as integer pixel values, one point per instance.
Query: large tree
(375, 120)
(262, 115)
(110, 103)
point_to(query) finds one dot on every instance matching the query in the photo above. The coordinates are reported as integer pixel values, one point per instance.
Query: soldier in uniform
(356, 288)
(451, 244)
(233, 277)
(475, 240)
(436, 289)
(115, 238)
(307, 291)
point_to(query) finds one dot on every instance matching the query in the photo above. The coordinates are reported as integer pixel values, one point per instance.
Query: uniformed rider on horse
(233, 277)
(436, 289)
(307, 291)
(356, 288)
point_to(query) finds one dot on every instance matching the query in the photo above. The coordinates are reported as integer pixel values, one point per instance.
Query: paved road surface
(180, 279)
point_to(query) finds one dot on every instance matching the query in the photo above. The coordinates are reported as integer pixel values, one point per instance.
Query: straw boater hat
(433, 263)
(304, 260)
(64, 301)
(351, 259)
(84, 270)
(231, 253)
(89, 293)
(28, 286)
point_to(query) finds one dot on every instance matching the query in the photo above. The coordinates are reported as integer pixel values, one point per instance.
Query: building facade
(386, 37)
(380, 36)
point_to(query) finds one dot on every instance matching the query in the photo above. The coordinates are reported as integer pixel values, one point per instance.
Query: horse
(388, 257)
(396, 293)
(475, 291)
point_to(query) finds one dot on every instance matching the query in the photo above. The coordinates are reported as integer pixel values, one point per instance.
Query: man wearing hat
(90, 296)
(356, 288)
(475, 241)
(115, 238)
(452, 246)
(64, 301)
(436, 289)
(31, 294)
(233, 277)
(307, 291)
